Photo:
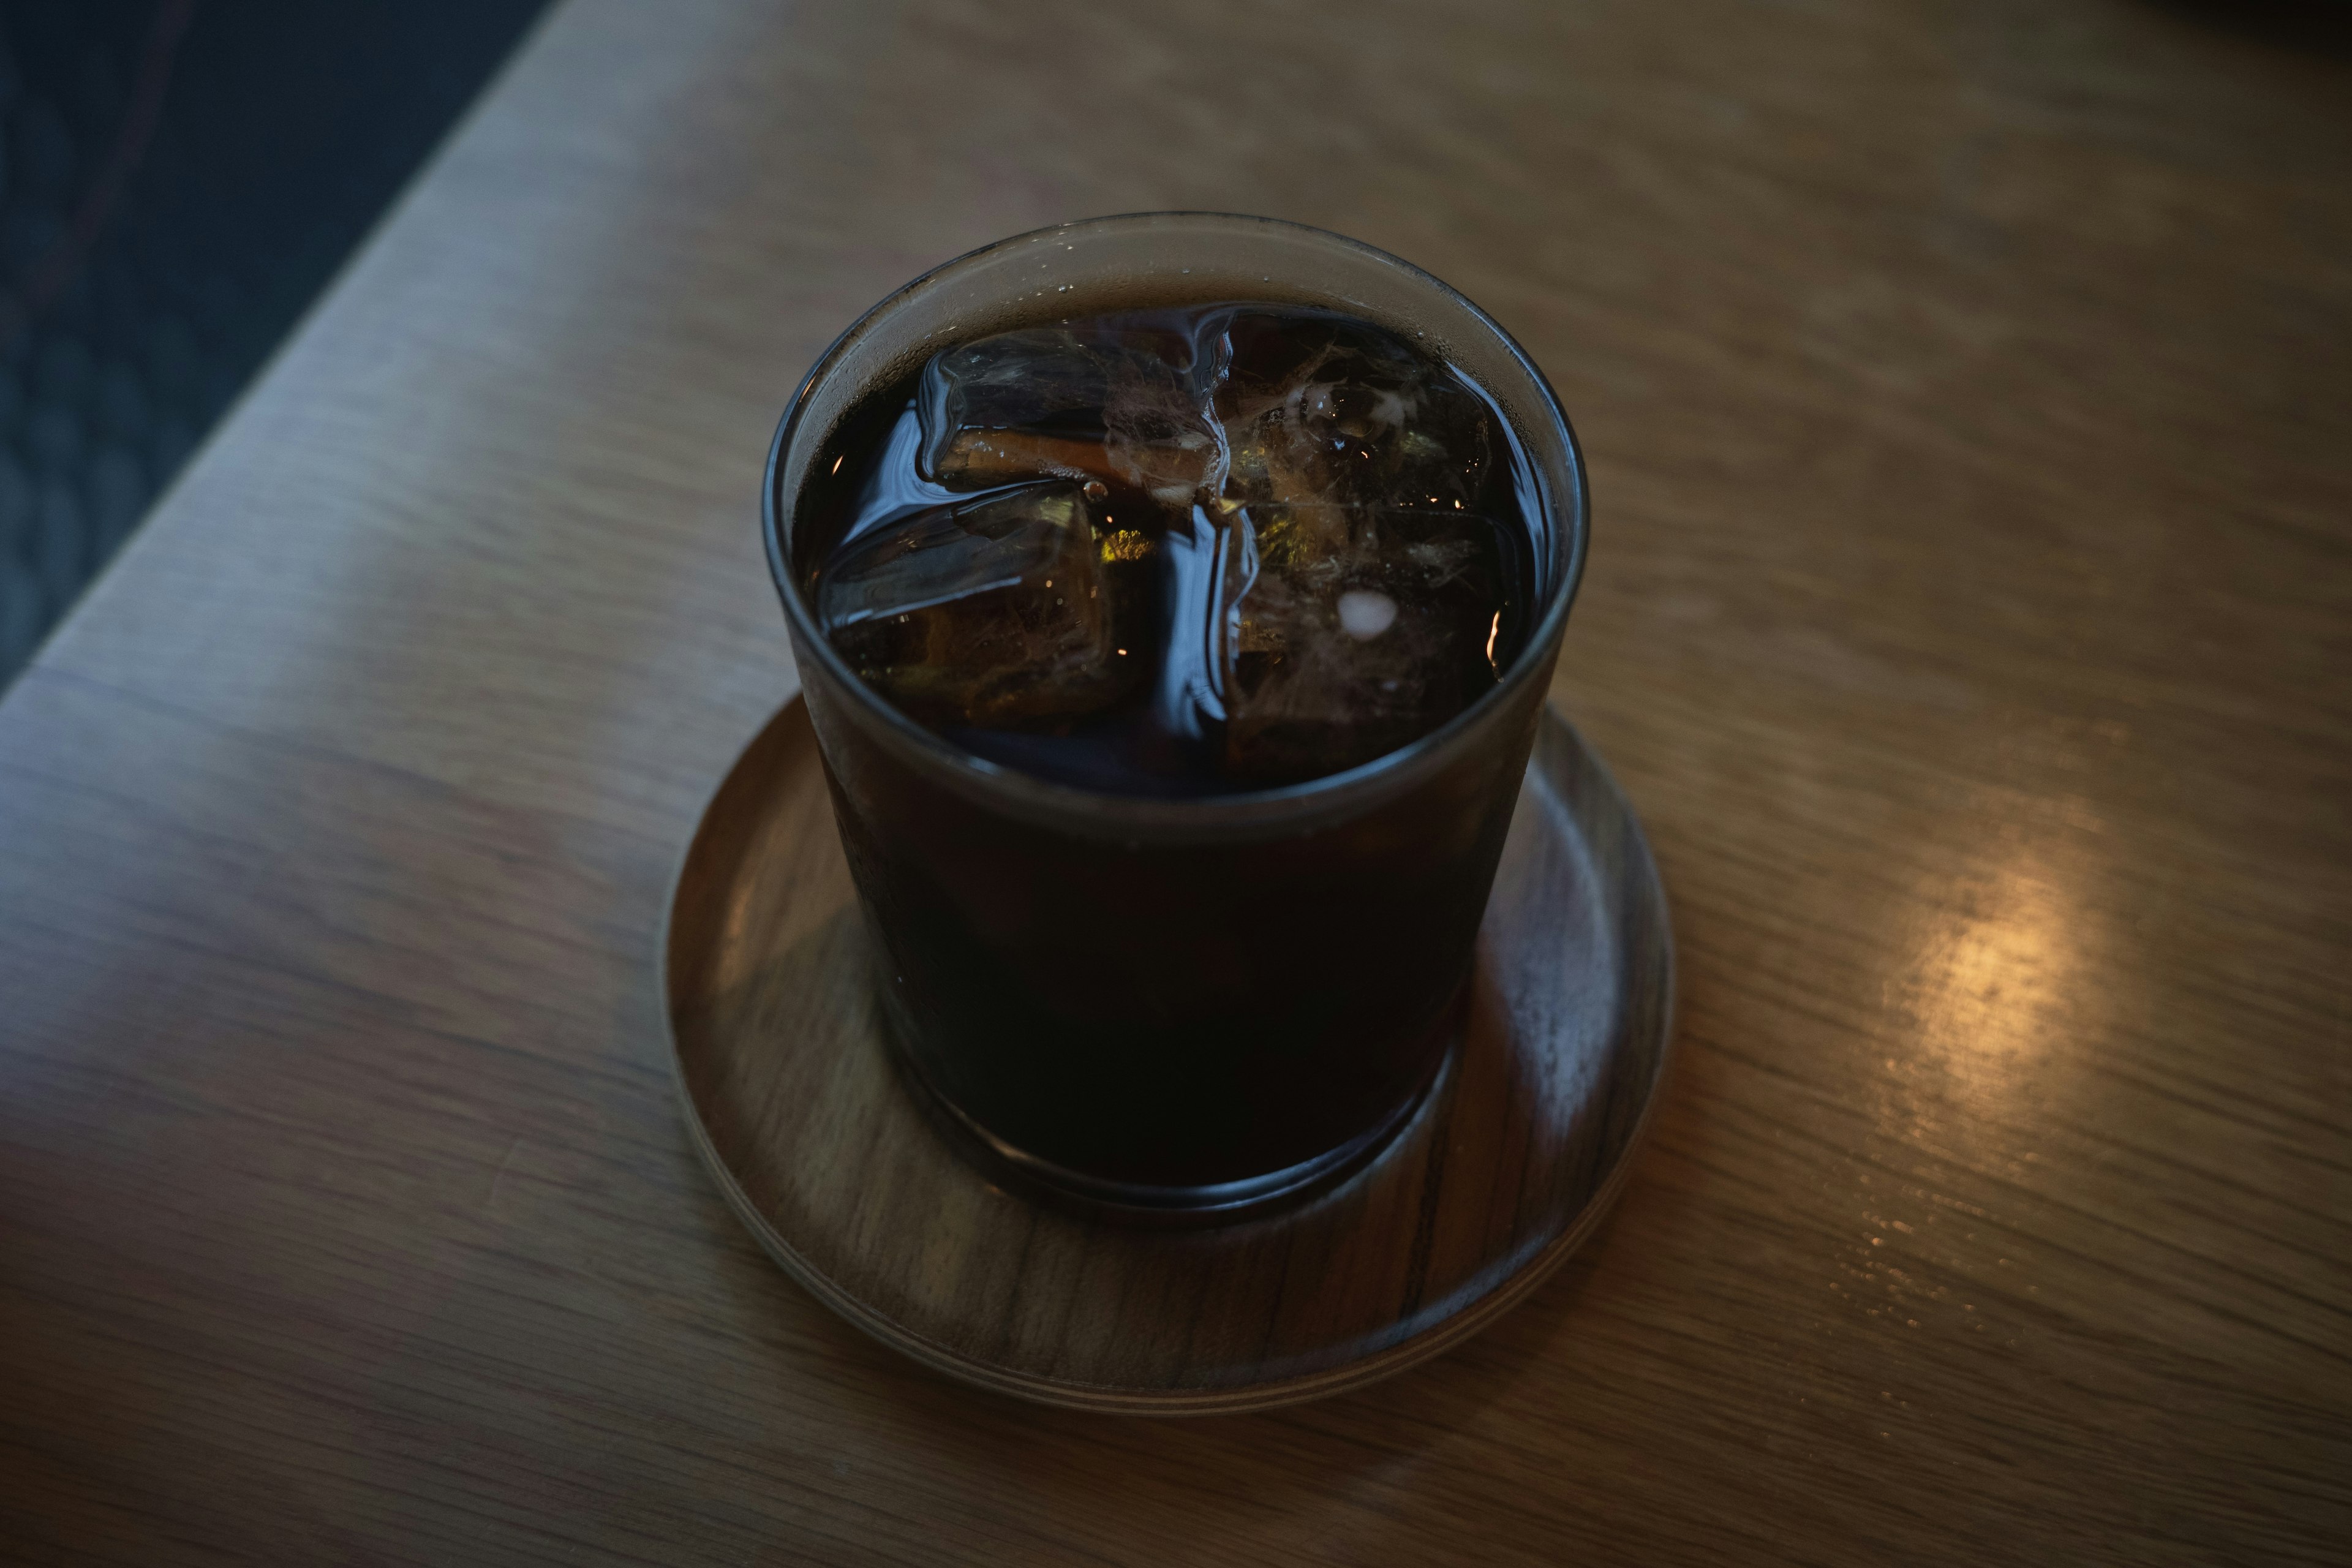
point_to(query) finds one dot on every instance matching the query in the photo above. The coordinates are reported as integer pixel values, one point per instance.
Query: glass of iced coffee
(1175, 597)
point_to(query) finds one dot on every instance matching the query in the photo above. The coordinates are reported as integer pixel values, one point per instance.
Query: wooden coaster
(826, 1154)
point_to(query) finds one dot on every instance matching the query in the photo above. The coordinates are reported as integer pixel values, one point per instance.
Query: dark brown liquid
(1181, 553)
(1173, 1017)
(1177, 553)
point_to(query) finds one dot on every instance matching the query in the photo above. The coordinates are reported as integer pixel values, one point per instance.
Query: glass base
(1136, 1203)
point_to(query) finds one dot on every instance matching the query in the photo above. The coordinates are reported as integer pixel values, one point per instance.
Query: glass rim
(1043, 798)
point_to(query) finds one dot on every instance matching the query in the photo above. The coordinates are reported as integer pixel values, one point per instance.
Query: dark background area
(178, 181)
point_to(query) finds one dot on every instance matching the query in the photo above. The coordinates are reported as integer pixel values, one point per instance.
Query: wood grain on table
(1969, 615)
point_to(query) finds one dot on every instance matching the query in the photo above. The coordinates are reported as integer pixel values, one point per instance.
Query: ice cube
(1336, 411)
(1357, 630)
(1126, 401)
(992, 612)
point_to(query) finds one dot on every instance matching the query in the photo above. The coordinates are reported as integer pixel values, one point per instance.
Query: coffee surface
(1182, 551)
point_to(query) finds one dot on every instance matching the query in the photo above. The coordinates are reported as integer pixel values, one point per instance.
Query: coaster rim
(1432, 1340)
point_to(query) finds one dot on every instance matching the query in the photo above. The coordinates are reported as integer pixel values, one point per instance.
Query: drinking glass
(1172, 1007)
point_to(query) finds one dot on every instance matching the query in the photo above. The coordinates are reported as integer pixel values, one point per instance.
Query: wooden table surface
(1965, 389)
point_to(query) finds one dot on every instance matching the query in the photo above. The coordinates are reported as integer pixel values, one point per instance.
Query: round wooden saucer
(840, 1173)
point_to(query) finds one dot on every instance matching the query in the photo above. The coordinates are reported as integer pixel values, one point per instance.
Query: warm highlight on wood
(1963, 388)
(837, 1170)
